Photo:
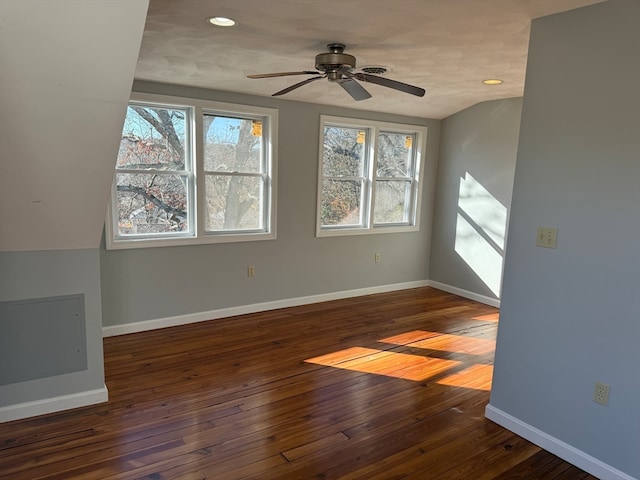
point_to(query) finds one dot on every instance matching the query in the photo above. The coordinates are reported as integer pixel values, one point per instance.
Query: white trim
(110, 331)
(493, 302)
(563, 450)
(55, 404)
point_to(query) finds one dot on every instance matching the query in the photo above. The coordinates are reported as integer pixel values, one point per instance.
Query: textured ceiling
(445, 46)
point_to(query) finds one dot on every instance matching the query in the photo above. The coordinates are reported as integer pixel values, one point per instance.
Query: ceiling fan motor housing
(334, 60)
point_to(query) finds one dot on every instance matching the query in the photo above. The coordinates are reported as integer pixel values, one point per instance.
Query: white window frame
(373, 128)
(198, 235)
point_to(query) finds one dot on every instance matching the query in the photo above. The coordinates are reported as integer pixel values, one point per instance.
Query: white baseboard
(493, 302)
(563, 450)
(110, 331)
(55, 404)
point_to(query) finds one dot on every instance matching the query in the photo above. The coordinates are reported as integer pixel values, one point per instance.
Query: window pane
(232, 144)
(341, 201)
(153, 138)
(392, 202)
(395, 154)
(233, 203)
(344, 152)
(151, 204)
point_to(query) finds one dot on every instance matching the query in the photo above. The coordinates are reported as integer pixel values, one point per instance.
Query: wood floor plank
(383, 386)
(540, 465)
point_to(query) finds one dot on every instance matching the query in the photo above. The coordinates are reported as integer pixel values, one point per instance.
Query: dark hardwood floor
(384, 386)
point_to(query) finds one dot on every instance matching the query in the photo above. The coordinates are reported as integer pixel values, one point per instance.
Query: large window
(369, 176)
(193, 172)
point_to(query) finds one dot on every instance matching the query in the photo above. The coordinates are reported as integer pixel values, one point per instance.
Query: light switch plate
(547, 237)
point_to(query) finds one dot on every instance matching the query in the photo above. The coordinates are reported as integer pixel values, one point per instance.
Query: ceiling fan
(337, 67)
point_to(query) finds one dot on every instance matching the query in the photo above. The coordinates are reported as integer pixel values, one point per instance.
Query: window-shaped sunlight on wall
(481, 228)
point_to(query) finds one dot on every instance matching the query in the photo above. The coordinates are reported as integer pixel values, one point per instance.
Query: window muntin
(369, 178)
(190, 181)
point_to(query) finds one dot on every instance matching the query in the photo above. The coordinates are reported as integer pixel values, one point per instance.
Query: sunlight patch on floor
(457, 360)
(381, 362)
(490, 317)
(443, 342)
(465, 378)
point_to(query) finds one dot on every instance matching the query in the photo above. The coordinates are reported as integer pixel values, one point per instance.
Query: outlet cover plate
(601, 393)
(547, 237)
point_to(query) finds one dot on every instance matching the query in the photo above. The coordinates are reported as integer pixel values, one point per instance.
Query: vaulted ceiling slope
(66, 69)
(447, 47)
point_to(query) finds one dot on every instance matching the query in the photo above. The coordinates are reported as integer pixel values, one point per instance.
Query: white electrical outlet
(251, 271)
(378, 258)
(547, 237)
(601, 393)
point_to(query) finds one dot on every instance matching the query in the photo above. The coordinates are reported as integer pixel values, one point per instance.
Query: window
(369, 178)
(154, 172)
(236, 173)
(192, 172)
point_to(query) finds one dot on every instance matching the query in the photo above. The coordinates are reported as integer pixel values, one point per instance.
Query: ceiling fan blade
(387, 82)
(300, 84)
(283, 74)
(354, 89)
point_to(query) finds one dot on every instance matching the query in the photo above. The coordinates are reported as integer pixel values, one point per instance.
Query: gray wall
(475, 180)
(153, 283)
(66, 80)
(29, 275)
(570, 316)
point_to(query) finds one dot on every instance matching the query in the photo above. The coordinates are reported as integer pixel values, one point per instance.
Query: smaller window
(154, 181)
(236, 173)
(345, 170)
(394, 178)
(369, 176)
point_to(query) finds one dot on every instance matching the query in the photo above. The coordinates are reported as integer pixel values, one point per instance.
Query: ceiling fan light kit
(337, 66)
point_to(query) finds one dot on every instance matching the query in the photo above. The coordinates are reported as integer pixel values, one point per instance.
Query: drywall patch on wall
(42, 337)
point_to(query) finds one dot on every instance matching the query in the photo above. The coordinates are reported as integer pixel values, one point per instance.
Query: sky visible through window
(225, 128)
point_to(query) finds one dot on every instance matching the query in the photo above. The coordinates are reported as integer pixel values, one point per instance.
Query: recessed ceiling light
(492, 81)
(222, 21)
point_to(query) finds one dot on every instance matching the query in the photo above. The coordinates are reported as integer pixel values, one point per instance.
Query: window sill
(345, 231)
(206, 239)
